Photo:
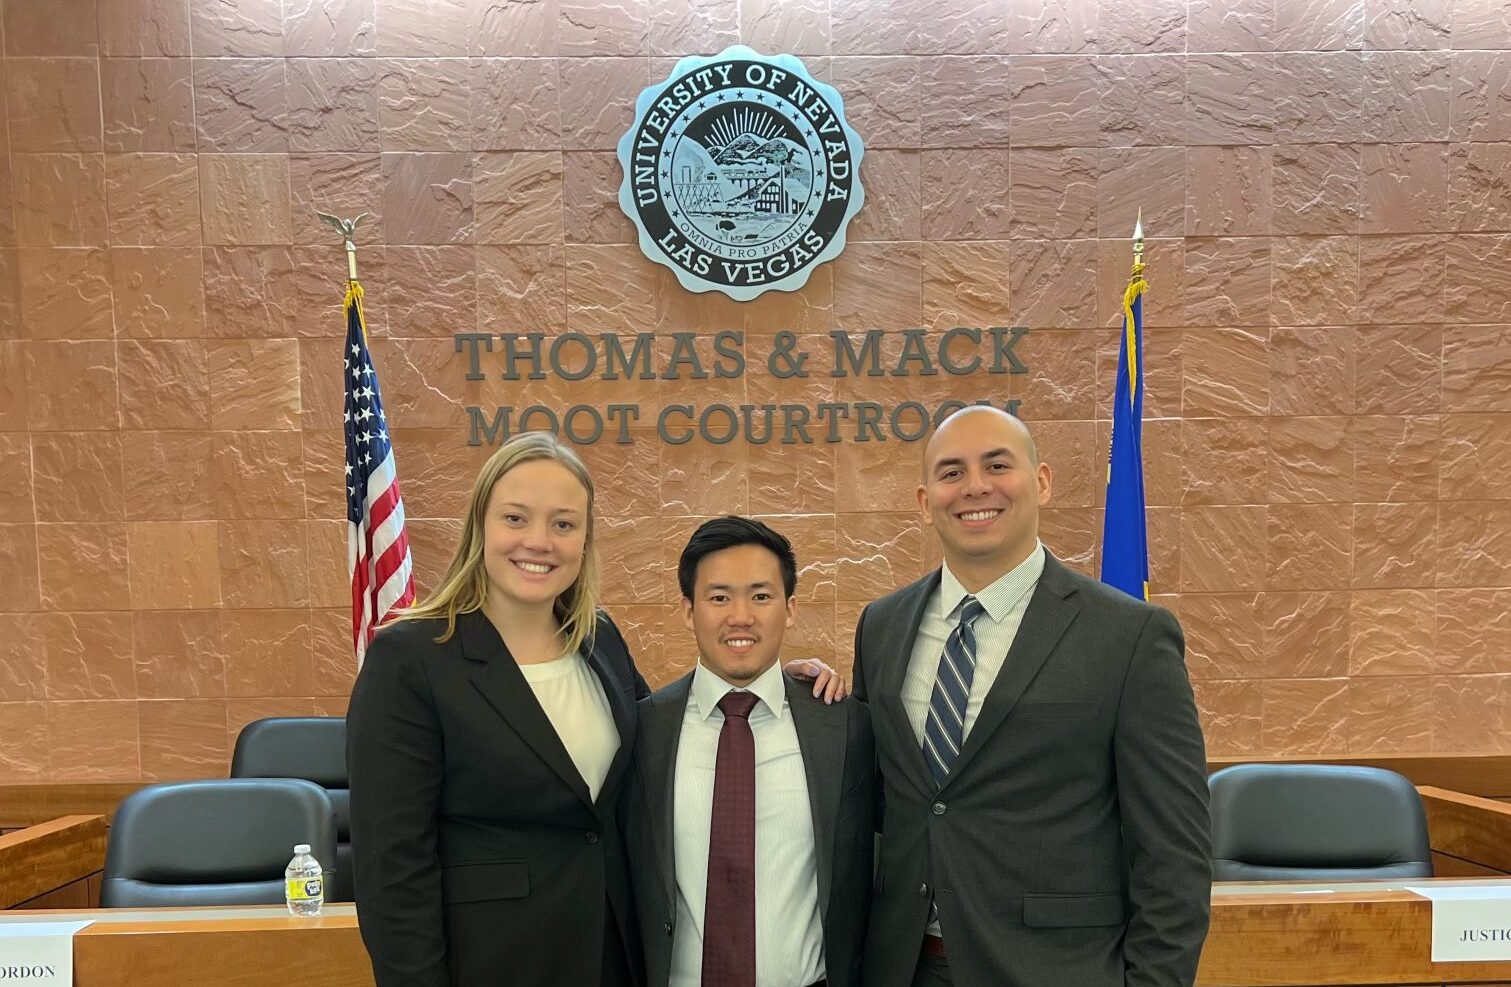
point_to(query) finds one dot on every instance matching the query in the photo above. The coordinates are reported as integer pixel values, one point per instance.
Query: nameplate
(38, 954)
(1469, 924)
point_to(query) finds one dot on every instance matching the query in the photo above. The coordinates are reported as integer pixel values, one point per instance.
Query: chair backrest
(215, 842)
(312, 748)
(1316, 822)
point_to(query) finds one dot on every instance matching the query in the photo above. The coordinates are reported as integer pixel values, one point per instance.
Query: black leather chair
(217, 842)
(1316, 822)
(312, 748)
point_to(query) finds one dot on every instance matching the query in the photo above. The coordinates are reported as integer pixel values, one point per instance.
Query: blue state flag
(1125, 539)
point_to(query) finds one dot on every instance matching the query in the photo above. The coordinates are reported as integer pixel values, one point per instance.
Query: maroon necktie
(729, 936)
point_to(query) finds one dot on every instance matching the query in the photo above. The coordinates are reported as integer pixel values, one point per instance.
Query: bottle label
(304, 888)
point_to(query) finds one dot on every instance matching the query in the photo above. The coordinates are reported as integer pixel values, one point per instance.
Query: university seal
(741, 173)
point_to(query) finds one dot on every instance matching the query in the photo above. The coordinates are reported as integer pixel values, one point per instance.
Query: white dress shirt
(1004, 601)
(575, 703)
(789, 929)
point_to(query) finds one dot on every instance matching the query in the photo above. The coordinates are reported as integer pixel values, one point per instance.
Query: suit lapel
(624, 722)
(1049, 613)
(660, 734)
(821, 738)
(503, 685)
(898, 634)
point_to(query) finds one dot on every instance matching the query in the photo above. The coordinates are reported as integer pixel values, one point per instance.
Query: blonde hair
(464, 587)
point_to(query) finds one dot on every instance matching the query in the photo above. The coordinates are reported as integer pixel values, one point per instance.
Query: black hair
(728, 532)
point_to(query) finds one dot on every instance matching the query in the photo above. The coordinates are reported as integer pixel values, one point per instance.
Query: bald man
(1044, 775)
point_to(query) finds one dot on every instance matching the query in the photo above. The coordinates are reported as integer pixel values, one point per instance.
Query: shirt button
(592, 837)
(938, 808)
(923, 890)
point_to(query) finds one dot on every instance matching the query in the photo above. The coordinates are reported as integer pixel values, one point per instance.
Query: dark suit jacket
(839, 757)
(1070, 844)
(478, 856)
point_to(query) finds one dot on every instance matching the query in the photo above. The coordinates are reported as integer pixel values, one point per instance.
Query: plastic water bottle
(304, 885)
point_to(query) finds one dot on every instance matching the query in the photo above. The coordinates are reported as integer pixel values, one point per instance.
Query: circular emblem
(741, 173)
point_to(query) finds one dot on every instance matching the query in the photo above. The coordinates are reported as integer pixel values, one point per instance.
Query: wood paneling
(1259, 940)
(75, 895)
(232, 953)
(1475, 831)
(1382, 937)
(50, 856)
(27, 805)
(1486, 775)
(1444, 865)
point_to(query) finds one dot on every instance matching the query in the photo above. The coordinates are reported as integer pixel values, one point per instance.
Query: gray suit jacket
(839, 757)
(1070, 844)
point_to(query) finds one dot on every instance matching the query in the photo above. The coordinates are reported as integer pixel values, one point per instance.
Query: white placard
(38, 954)
(1469, 923)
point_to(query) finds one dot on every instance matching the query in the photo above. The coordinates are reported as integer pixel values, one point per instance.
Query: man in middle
(749, 824)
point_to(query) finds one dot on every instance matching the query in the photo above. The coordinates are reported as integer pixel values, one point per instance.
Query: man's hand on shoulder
(828, 685)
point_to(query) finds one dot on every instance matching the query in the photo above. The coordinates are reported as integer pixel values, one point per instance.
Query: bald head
(981, 492)
(982, 418)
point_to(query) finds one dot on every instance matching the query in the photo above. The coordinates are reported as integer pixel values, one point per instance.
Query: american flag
(377, 547)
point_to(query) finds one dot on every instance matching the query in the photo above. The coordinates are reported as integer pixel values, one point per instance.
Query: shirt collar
(1000, 597)
(708, 689)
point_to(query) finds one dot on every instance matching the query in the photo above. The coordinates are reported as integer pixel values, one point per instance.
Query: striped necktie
(944, 733)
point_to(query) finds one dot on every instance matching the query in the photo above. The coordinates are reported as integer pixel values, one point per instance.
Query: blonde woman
(488, 735)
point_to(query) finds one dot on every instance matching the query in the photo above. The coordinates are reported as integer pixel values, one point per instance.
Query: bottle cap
(302, 848)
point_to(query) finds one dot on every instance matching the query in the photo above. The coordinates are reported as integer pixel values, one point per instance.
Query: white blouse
(578, 708)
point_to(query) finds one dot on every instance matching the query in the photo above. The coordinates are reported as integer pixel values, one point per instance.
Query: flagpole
(1125, 539)
(378, 559)
(347, 228)
(1136, 282)
(1136, 287)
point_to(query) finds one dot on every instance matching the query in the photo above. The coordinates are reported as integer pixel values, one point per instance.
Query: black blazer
(478, 857)
(839, 759)
(1070, 844)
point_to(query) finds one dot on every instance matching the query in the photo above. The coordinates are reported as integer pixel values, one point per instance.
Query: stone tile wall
(1326, 185)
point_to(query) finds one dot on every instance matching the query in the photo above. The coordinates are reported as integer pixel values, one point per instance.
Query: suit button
(592, 837)
(923, 890)
(668, 928)
(938, 808)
